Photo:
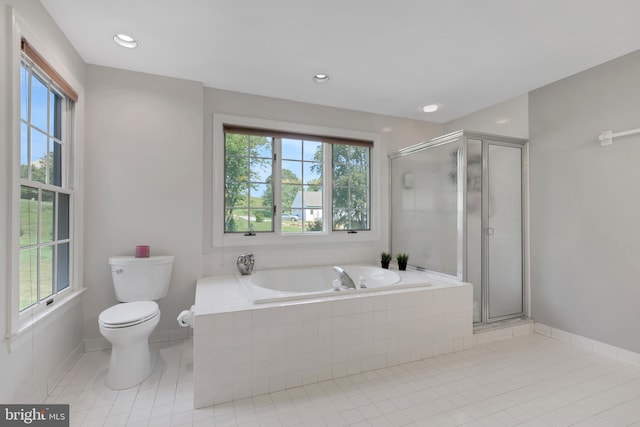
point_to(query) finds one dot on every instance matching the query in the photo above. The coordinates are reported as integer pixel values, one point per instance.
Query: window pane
(38, 156)
(237, 169)
(260, 220)
(359, 174)
(290, 220)
(340, 154)
(340, 219)
(63, 216)
(236, 158)
(46, 271)
(291, 198)
(313, 219)
(231, 222)
(28, 277)
(248, 183)
(236, 145)
(62, 281)
(39, 103)
(240, 221)
(261, 146)
(24, 151)
(341, 197)
(28, 216)
(350, 187)
(351, 219)
(55, 163)
(48, 218)
(292, 149)
(308, 205)
(236, 194)
(312, 173)
(55, 115)
(236, 202)
(261, 207)
(295, 193)
(261, 196)
(261, 169)
(312, 150)
(24, 93)
(358, 197)
(291, 171)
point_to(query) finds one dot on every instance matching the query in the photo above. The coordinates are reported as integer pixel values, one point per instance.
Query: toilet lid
(128, 313)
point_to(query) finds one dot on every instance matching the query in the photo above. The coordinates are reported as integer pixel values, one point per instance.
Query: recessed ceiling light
(430, 108)
(321, 78)
(125, 41)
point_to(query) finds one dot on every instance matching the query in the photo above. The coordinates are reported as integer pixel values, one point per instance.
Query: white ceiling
(384, 56)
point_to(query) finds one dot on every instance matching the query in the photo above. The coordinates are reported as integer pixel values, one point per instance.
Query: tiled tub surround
(242, 349)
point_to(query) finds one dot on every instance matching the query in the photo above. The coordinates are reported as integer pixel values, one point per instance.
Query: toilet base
(130, 365)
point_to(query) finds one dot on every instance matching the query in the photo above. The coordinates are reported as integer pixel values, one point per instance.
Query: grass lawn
(29, 266)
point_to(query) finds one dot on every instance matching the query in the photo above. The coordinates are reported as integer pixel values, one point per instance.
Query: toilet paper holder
(186, 317)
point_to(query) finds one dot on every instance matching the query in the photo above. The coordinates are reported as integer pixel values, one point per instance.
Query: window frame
(20, 323)
(66, 110)
(222, 239)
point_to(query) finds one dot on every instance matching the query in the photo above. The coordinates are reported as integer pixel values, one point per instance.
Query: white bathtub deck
(224, 294)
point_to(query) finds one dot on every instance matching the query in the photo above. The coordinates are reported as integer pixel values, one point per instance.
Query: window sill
(17, 338)
(265, 239)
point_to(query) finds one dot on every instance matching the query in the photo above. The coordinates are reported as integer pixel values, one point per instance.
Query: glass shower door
(503, 222)
(424, 200)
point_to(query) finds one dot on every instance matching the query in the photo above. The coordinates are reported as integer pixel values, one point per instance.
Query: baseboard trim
(588, 344)
(64, 367)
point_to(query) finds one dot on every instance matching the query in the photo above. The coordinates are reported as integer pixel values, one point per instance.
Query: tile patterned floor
(525, 381)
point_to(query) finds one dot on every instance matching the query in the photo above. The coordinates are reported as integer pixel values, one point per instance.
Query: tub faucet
(345, 279)
(245, 263)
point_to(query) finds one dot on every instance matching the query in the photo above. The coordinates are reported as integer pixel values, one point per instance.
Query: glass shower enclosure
(457, 208)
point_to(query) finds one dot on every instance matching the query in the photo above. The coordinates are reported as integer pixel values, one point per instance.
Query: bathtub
(267, 286)
(278, 329)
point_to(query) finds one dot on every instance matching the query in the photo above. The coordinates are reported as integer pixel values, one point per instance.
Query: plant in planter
(402, 261)
(385, 259)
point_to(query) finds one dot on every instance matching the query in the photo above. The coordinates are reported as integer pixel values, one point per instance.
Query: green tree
(315, 184)
(39, 170)
(241, 159)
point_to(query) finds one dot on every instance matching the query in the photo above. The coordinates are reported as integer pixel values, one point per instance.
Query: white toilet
(138, 282)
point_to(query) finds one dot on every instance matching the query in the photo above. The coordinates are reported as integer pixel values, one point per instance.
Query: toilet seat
(128, 314)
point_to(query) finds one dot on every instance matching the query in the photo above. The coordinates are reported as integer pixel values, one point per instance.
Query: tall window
(351, 187)
(248, 183)
(277, 182)
(45, 194)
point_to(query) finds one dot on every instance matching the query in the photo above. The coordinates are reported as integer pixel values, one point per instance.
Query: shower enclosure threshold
(508, 323)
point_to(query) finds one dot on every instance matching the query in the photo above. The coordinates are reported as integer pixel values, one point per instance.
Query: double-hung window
(290, 183)
(45, 204)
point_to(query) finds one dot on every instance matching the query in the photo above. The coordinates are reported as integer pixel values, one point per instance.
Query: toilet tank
(141, 279)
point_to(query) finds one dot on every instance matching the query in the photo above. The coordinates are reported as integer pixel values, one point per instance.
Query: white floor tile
(527, 380)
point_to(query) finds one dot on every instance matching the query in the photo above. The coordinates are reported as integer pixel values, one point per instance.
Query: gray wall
(507, 118)
(143, 185)
(585, 204)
